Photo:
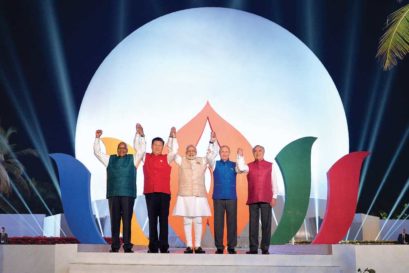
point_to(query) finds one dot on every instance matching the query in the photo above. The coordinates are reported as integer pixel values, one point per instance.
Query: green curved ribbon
(294, 161)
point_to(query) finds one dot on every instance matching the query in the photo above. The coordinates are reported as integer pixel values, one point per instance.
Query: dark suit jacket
(3, 238)
(403, 239)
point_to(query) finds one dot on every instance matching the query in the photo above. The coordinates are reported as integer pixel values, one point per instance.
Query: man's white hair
(258, 146)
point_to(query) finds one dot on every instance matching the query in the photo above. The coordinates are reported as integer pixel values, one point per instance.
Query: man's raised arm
(104, 158)
(139, 145)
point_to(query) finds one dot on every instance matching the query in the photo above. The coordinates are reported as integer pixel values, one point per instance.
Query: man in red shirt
(156, 171)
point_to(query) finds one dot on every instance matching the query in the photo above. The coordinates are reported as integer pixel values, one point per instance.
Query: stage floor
(283, 259)
(279, 249)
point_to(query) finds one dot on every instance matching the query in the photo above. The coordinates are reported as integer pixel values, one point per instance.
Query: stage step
(92, 262)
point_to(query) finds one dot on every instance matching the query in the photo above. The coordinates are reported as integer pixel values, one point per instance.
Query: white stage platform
(286, 258)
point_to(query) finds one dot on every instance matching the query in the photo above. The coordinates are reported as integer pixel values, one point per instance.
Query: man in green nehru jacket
(121, 189)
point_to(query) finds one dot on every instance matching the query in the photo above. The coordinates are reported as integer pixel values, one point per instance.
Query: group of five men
(191, 203)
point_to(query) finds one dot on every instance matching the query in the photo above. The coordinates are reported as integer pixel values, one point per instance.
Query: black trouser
(158, 207)
(121, 208)
(222, 207)
(266, 216)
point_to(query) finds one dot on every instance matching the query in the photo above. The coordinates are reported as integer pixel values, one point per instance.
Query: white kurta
(194, 206)
(191, 206)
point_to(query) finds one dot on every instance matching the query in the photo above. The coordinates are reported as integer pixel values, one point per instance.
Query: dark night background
(343, 34)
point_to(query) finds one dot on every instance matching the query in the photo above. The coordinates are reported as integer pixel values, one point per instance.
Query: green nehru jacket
(121, 173)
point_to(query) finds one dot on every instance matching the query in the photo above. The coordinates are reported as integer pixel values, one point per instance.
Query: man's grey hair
(225, 146)
(258, 146)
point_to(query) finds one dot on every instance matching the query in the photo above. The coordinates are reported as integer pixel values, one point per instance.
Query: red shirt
(259, 182)
(156, 171)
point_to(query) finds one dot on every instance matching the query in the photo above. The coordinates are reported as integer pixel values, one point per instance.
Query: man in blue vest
(121, 189)
(224, 200)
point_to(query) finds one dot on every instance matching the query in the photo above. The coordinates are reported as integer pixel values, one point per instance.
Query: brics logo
(294, 161)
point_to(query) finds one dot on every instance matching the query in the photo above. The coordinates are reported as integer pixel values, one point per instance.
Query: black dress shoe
(188, 250)
(128, 251)
(265, 252)
(113, 250)
(164, 251)
(231, 251)
(252, 252)
(219, 251)
(152, 251)
(199, 250)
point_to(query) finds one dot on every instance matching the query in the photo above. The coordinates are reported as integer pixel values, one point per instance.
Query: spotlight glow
(378, 122)
(256, 75)
(60, 66)
(391, 230)
(402, 193)
(384, 179)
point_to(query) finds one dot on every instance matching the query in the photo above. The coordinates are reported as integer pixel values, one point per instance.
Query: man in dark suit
(403, 238)
(3, 236)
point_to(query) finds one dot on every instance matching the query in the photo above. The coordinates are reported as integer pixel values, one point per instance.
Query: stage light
(378, 121)
(30, 122)
(25, 109)
(347, 236)
(389, 232)
(367, 122)
(311, 34)
(18, 213)
(311, 27)
(351, 52)
(237, 4)
(122, 7)
(398, 227)
(306, 230)
(25, 176)
(369, 113)
(22, 102)
(274, 216)
(402, 193)
(315, 185)
(384, 179)
(60, 67)
(17, 192)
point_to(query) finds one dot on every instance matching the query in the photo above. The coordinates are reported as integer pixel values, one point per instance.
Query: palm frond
(5, 186)
(27, 152)
(9, 132)
(13, 166)
(394, 43)
(22, 185)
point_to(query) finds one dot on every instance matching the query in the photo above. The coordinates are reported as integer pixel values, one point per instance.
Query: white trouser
(188, 230)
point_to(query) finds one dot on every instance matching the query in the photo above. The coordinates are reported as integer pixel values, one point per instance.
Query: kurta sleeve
(139, 145)
(241, 166)
(104, 158)
(173, 150)
(212, 153)
(274, 183)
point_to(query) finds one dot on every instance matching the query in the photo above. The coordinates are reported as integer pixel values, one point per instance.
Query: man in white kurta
(191, 200)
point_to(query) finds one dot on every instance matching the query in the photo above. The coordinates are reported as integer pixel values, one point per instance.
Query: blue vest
(121, 174)
(224, 178)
